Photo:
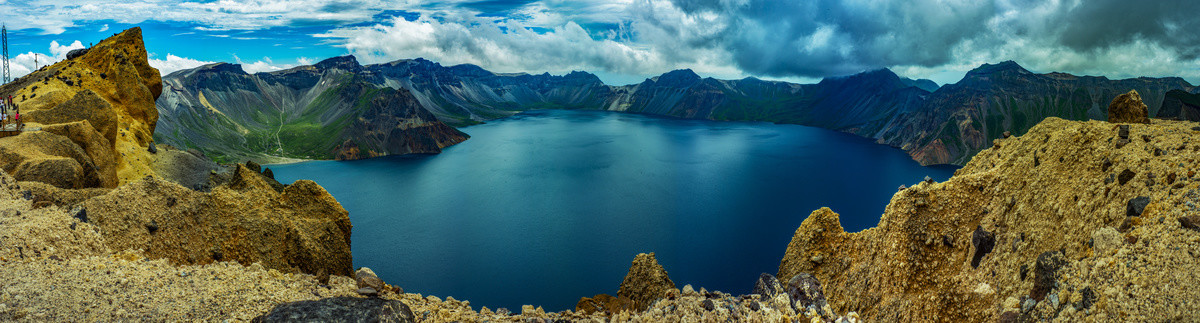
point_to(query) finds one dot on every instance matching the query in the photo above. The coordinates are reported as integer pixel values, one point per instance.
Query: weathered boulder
(368, 283)
(302, 229)
(983, 241)
(1045, 273)
(767, 286)
(1128, 108)
(646, 282)
(807, 295)
(340, 309)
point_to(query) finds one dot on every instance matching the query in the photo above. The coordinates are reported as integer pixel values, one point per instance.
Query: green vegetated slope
(302, 113)
(935, 125)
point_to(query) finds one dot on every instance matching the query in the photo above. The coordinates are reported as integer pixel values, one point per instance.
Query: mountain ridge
(935, 124)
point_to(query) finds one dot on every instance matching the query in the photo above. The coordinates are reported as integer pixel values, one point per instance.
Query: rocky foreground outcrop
(1065, 222)
(96, 114)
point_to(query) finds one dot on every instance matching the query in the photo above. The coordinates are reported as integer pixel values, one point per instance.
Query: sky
(626, 41)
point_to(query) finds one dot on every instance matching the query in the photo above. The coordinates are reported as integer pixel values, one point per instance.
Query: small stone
(902, 187)
(1028, 305)
(806, 292)
(1053, 298)
(1123, 131)
(688, 290)
(1009, 317)
(1105, 165)
(753, 305)
(984, 242)
(708, 305)
(368, 291)
(81, 214)
(1190, 222)
(1007, 134)
(1121, 142)
(1045, 273)
(1125, 176)
(928, 179)
(366, 278)
(767, 286)
(1088, 298)
(268, 173)
(1012, 303)
(152, 227)
(1136, 206)
(152, 149)
(503, 311)
(946, 240)
(817, 259)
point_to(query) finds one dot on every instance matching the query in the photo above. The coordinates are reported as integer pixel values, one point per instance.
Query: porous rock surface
(96, 114)
(300, 229)
(1128, 108)
(1064, 246)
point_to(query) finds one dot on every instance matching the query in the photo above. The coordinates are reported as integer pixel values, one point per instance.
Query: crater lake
(548, 206)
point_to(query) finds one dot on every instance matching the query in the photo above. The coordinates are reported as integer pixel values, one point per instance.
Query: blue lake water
(549, 206)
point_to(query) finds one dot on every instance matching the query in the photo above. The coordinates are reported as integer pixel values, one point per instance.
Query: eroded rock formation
(301, 229)
(101, 102)
(1065, 243)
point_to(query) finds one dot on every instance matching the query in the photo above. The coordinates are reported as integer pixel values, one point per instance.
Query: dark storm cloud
(1101, 24)
(495, 8)
(822, 38)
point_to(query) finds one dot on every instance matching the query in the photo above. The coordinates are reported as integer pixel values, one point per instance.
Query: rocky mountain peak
(347, 62)
(1002, 67)
(223, 67)
(678, 78)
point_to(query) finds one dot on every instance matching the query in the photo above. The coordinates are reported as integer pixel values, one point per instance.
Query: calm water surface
(548, 206)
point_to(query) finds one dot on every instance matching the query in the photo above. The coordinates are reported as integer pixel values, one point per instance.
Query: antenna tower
(4, 36)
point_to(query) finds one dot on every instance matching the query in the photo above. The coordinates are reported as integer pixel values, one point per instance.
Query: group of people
(5, 105)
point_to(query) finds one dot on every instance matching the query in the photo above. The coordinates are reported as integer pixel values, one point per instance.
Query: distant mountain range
(320, 111)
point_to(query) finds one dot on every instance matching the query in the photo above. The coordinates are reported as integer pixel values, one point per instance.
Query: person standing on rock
(16, 113)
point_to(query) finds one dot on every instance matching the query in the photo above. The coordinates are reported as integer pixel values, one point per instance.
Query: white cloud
(263, 65)
(174, 63)
(103, 28)
(60, 52)
(722, 38)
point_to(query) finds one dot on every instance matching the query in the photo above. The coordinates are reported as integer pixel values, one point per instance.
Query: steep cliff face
(96, 114)
(1178, 104)
(320, 111)
(1064, 222)
(958, 120)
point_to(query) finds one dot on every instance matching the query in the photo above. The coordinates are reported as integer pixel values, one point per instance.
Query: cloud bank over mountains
(629, 39)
